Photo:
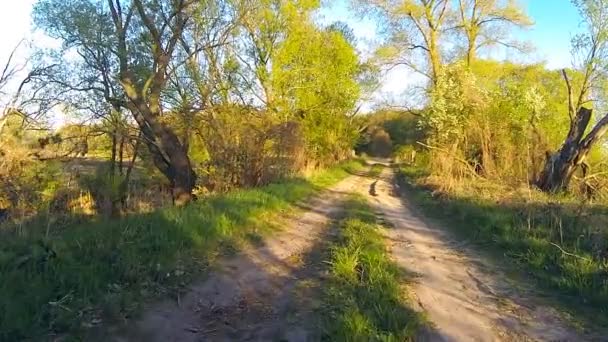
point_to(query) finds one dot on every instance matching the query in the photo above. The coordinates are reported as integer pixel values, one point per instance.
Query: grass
(375, 170)
(559, 243)
(364, 299)
(101, 271)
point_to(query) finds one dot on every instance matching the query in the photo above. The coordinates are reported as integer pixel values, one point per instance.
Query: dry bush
(246, 148)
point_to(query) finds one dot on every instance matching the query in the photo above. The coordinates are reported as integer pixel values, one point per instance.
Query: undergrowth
(86, 274)
(364, 298)
(375, 170)
(562, 244)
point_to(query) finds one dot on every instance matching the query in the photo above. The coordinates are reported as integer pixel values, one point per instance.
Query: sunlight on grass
(90, 273)
(364, 300)
(527, 232)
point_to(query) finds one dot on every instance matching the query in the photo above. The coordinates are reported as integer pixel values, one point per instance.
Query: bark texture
(561, 165)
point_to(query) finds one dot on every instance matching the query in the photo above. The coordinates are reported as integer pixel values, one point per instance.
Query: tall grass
(86, 274)
(560, 243)
(365, 299)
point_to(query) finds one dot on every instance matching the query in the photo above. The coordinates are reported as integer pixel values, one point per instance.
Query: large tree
(414, 30)
(126, 49)
(484, 23)
(315, 78)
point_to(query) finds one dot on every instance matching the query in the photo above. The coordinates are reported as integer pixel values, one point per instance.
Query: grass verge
(375, 170)
(553, 241)
(364, 299)
(84, 275)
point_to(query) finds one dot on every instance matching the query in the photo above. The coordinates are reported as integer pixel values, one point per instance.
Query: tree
(483, 23)
(590, 52)
(23, 92)
(133, 43)
(315, 78)
(415, 29)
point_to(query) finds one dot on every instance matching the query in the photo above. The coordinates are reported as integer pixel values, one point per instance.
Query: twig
(466, 163)
(570, 254)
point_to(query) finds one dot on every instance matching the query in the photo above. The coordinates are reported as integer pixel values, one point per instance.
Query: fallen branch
(570, 254)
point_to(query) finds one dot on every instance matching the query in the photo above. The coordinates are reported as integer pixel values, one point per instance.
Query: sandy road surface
(265, 293)
(465, 298)
(268, 293)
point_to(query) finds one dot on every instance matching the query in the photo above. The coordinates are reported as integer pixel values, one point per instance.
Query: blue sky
(556, 22)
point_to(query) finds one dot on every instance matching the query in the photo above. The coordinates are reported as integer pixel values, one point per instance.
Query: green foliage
(101, 270)
(365, 299)
(315, 76)
(403, 129)
(27, 184)
(488, 114)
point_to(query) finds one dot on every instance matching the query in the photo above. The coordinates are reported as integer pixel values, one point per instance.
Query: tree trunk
(168, 153)
(561, 165)
(144, 98)
(121, 150)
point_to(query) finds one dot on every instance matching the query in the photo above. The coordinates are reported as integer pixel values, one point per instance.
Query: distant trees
(24, 102)
(485, 23)
(424, 35)
(415, 30)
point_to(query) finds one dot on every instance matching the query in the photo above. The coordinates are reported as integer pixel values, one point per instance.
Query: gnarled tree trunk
(143, 93)
(561, 165)
(169, 154)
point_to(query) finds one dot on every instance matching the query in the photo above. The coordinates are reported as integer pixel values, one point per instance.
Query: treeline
(192, 96)
(502, 121)
(510, 155)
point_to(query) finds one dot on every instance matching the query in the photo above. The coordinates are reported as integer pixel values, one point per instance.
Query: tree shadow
(89, 271)
(268, 292)
(552, 251)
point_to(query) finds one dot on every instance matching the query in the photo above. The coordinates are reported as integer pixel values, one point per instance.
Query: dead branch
(570, 254)
(571, 109)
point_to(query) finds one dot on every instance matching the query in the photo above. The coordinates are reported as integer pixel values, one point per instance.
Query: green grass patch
(375, 170)
(524, 232)
(91, 273)
(365, 299)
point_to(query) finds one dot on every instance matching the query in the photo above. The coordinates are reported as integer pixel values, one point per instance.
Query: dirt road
(266, 293)
(465, 298)
(269, 293)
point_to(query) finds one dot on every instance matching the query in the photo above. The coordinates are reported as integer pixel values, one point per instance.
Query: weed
(364, 300)
(88, 273)
(375, 170)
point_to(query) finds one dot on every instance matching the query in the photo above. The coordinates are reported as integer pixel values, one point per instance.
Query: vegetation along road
(304, 170)
(302, 284)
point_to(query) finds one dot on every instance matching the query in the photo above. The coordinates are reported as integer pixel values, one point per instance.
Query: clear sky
(556, 21)
(15, 24)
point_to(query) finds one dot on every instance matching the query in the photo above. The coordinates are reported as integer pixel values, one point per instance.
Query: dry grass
(559, 240)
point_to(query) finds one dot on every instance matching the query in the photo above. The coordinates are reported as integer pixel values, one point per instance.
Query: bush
(244, 148)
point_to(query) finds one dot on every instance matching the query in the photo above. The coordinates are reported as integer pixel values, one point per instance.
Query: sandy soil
(465, 298)
(266, 293)
(269, 293)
